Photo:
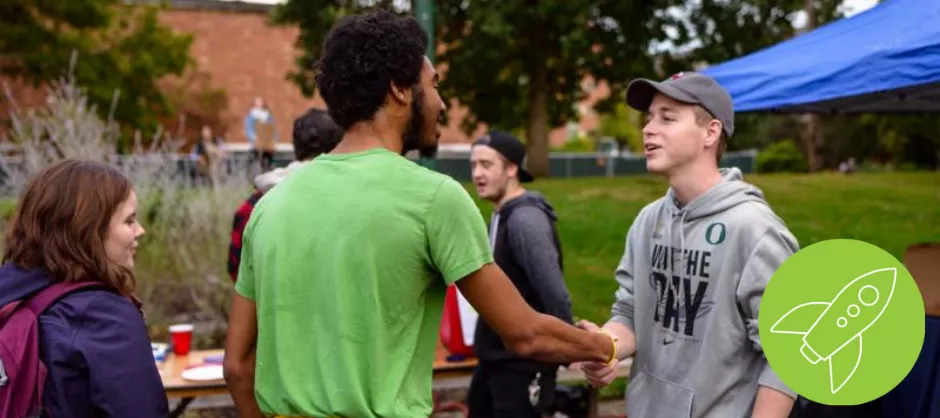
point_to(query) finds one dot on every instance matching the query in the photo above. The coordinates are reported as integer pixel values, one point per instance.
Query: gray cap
(692, 88)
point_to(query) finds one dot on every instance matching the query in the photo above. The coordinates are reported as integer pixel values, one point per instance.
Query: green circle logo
(842, 322)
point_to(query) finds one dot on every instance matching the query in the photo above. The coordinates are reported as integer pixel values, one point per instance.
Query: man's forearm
(555, 341)
(243, 395)
(771, 403)
(626, 339)
(241, 384)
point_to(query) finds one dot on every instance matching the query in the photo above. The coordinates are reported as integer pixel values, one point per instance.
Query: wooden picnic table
(176, 387)
(171, 371)
(447, 375)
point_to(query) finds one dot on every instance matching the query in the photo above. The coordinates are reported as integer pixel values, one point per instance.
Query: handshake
(598, 374)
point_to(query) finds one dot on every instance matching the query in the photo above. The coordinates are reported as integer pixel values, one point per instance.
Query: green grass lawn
(890, 210)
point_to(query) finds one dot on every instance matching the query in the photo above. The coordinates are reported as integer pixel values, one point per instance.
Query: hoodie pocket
(651, 397)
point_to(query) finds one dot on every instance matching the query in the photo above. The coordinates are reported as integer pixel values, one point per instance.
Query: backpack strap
(41, 301)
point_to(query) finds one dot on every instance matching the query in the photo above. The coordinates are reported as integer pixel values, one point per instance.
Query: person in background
(314, 134)
(695, 267)
(526, 246)
(847, 166)
(76, 221)
(261, 133)
(345, 264)
(208, 155)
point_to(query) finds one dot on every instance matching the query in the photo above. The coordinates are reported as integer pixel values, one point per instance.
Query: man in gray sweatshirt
(525, 245)
(695, 267)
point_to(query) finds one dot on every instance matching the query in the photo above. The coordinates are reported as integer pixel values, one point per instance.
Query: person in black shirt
(526, 246)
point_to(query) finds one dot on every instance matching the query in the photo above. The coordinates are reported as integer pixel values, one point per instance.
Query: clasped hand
(598, 374)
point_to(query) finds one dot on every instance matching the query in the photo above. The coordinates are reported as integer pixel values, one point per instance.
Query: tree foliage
(315, 18)
(624, 124)
(710, 32)
(896, 140)
(195, 103)
(521, 65)
(122, 51)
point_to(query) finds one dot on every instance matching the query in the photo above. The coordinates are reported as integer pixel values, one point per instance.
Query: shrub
(625, 124)
(577, 144)
(181, 264)
(197, 103)
(783, 156)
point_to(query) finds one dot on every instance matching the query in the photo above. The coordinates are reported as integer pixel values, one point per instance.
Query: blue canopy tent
(883, 60)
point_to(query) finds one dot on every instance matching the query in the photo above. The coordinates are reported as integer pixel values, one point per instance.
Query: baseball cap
(510, 147)
(686, 87)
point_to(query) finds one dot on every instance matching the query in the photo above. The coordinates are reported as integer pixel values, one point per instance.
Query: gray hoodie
(265, 181)
(691, 281)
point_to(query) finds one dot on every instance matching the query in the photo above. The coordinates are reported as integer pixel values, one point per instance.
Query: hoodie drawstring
(681, 248)
(682, 237)
(670, 250)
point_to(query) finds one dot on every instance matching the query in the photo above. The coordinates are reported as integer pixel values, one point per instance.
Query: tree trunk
(537, 132)
(812, 139)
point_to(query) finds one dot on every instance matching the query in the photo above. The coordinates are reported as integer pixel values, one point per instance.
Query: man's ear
(401, 95)
(712, 133)
(511, 169)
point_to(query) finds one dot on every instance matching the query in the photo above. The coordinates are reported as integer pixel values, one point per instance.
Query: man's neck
(693, 181)
(511, 193)
(368, 135)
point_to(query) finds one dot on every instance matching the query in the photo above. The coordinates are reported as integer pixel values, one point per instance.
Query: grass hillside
(890, 210)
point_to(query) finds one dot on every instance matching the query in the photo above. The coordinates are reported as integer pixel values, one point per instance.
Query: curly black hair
(315, 134)
(362, 55)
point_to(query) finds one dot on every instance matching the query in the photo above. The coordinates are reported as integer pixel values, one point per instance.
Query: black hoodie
(527, 248)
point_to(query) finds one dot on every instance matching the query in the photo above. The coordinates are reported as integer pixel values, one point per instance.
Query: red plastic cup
(181, 335)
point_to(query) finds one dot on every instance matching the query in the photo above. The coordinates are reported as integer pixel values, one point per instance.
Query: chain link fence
(573, 165)
(561, 165)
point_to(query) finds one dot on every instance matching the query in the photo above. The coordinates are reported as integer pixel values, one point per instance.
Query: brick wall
(234, 44)
(14, 92)
(247, 58)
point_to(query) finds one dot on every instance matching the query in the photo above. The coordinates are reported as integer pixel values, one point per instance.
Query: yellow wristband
(613, 341)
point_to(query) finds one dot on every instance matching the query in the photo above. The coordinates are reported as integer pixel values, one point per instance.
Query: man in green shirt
(345, 264)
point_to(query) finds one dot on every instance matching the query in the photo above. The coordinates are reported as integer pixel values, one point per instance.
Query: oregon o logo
(715, 234)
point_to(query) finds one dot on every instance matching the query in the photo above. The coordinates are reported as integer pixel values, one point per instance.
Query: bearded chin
(415, 134)
(428, 150)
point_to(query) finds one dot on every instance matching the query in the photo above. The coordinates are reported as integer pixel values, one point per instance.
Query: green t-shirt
(348, 261)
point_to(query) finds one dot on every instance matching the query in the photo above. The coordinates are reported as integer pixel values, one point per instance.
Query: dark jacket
(238, 231)
(528, 250)
(95, 345)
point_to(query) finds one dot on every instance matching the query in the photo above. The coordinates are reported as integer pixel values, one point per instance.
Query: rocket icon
(832, 331)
